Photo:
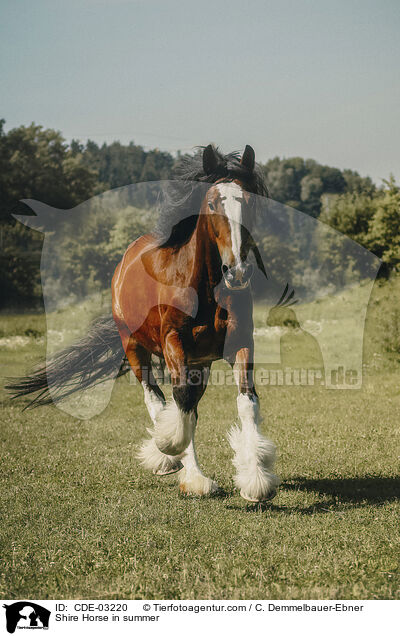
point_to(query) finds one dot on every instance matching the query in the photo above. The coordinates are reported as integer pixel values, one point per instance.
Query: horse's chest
(207, 342)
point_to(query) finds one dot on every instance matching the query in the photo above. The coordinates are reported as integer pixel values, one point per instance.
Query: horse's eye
(211, 206)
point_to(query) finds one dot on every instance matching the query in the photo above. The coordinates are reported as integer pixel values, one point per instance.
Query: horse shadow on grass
(342, 494)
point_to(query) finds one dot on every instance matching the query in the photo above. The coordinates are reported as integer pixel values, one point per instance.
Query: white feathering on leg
(154, 402)
(173, 429)
(153, 459)
(149, 454)
(254, 454)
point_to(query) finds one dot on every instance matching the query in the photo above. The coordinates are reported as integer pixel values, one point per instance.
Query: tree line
(38, 163)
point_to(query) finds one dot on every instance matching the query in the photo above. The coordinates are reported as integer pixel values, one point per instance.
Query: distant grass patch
(32, 325)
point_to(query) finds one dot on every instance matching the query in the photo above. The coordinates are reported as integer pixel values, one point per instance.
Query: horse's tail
(99, 356)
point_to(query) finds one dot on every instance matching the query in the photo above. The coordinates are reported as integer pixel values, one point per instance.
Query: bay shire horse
(185, 298)
(206, 252)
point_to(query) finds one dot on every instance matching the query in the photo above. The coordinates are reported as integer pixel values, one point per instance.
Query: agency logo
(26, 615)
(309, 312)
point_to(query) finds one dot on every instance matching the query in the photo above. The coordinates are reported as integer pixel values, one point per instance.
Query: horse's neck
(198, 261)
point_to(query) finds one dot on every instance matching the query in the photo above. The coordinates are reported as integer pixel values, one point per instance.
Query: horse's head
(281, 315)
(230, 209)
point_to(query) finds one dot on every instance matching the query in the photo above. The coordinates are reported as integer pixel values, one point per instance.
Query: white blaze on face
(231, 196)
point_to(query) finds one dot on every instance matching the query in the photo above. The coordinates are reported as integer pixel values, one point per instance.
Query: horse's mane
(182, 199)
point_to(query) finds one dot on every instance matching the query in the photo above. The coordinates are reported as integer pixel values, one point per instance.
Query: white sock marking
(154, 402)
(149, 454)
(192, 480)
(254, 454)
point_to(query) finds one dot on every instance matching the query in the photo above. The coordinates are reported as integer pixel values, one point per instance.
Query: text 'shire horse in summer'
(197, 307)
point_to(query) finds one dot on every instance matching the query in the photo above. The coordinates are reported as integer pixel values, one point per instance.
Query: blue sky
(309, 78)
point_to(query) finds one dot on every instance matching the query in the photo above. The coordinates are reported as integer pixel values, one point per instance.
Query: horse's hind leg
(149, 454)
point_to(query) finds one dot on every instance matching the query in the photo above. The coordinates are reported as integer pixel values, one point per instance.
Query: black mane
(177, 221)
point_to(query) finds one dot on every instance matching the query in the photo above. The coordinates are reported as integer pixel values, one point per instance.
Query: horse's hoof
(199, 486)
(271, 495)
(162, 473)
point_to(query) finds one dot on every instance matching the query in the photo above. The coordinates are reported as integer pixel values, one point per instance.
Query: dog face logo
(26, 615)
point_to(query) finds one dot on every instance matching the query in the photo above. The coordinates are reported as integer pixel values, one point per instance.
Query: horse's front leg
(191, 479)
(176, 424)
(254, 454)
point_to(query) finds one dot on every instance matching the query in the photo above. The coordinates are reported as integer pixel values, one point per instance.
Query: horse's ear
(210, 160)
(46, 216)
(248, 158)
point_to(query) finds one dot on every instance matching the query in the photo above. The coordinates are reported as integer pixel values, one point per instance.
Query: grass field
(81, 519)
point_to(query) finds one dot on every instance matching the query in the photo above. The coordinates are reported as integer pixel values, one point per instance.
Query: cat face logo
(26, 615)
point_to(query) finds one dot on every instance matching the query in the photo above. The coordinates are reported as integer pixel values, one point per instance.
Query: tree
(384, 228)
(157, 166)
(356, 184)
(35, 163)
(372, 220)
(41, 166)
(300, 183)
(311, 190)
(350, 214)
(283, 179)
(38, 163)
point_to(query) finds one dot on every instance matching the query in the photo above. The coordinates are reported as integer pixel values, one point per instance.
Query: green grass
(81, 519)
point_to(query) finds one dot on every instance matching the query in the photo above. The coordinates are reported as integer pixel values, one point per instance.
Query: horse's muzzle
(237, 276)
